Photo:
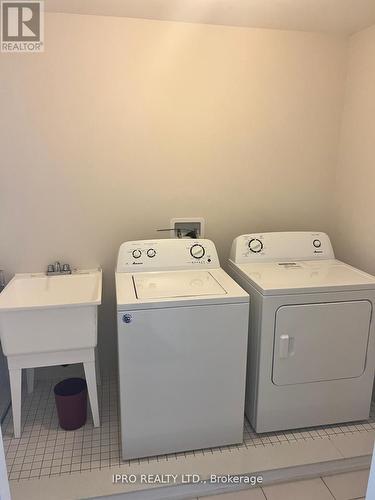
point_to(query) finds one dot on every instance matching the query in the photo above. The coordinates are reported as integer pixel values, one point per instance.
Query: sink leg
(15, 389)
(30, 380)
(97, 369)
(92, 390)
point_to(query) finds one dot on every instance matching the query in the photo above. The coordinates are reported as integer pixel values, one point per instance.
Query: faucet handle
(50, 268)
(66, 268)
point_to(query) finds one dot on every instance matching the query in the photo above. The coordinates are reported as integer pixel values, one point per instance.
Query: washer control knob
(137, 254)
(151, 253)
(255, 245)
(197, 251)
(317, 243)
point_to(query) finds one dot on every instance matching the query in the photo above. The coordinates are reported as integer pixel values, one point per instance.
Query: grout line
(264, 493)
(326, 485)
(333, 496)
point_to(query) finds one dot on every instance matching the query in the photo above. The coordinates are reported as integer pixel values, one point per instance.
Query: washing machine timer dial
(151, 253)
(255, 245)
(136, 253)
(317, 243)
(197, 251)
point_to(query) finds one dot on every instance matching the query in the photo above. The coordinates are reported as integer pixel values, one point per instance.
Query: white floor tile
(348, 486)
(249, 494)
(45, 446)
(359, 443)
(310, 489)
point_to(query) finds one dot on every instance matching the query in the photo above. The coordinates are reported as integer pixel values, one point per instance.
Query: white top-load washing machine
(311, 336)
(182, 344)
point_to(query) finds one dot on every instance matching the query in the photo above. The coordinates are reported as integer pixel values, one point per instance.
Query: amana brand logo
(22, 26)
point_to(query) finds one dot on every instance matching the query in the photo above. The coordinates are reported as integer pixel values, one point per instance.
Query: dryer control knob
(255, 245)
(137, 254)
(317, 243)
(151, 253)
(197, 251)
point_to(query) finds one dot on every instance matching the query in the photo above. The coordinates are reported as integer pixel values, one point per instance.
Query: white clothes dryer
(311, 336)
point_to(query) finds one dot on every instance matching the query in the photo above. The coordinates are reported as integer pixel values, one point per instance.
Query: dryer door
(315, 342)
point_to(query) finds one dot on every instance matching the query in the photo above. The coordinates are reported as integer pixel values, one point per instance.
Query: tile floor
(46, 450)
(347, 486)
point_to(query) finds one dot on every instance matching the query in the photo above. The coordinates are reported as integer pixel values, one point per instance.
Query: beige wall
(354, 211)
(122, 124)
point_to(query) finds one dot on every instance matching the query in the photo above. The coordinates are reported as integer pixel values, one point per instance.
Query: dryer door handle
(286, 346)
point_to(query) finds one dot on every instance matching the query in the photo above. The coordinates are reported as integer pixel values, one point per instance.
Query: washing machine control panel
(161, 255)
(279, 247)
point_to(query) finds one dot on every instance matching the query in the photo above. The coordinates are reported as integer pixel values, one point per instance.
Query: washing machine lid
(162, 289)
(160, 285)
(276, 278)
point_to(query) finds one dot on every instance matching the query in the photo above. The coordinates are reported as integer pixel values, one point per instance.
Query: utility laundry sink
(40, 313)
(46, 321)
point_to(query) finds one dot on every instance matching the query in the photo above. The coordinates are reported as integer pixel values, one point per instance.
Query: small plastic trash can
(71, 403)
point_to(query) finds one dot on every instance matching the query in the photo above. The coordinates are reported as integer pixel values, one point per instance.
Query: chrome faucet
(57, 269)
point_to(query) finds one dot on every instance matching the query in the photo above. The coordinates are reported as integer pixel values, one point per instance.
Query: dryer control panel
(168, 254)
(279, 247)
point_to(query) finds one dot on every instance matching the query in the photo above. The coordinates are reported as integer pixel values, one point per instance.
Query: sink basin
(40, 313)
(47, 321)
